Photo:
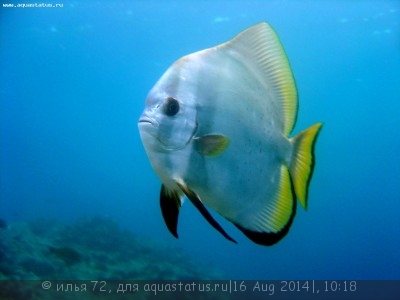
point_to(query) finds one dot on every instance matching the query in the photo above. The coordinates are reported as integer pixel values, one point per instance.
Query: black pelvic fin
(170, 203)
(192, 196)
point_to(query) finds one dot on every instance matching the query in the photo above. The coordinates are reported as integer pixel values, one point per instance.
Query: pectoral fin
(192, 196)
(211, 144)
(170, 202)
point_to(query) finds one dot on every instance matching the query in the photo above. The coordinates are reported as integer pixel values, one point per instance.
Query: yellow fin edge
(302, 163)
(273, 221)
(260, 44)
(283, 209)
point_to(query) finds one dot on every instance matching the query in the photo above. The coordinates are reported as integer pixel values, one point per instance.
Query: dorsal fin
(260, 45)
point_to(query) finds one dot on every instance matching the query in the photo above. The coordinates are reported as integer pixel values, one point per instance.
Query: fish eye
(171, 107)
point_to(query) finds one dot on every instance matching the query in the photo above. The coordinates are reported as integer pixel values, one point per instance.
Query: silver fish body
(216, 129)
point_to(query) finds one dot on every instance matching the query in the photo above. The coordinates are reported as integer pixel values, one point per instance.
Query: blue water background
(73, 85)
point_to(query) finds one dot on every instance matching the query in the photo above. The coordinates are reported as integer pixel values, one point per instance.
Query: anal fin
(192, 196)
(272, 222)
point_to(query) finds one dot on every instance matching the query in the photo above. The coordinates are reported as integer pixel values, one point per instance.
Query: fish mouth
(145, 120)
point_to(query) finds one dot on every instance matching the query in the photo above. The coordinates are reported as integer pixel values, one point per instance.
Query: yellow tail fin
(302, 164)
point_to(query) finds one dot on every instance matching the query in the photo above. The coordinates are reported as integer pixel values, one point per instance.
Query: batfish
(216, 128)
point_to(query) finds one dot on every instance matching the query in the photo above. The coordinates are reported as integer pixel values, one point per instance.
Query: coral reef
(92, 248)
(3, 224)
